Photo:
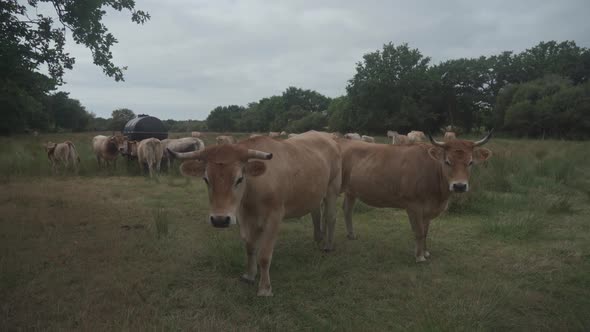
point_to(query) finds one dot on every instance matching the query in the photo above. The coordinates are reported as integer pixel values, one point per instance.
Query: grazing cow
(274, 134)
(299, 175)
(149, 152)
(106, 149)
(419, 178)
(449, 136)
(185, 144)
(283, 133)
(416, 136)
(400, 139)
(368, 139)
(353, 136)
(196, 134)
(292, 135)
(62, 153)
(225, 139)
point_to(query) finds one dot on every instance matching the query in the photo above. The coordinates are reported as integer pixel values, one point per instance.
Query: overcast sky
(195, 55)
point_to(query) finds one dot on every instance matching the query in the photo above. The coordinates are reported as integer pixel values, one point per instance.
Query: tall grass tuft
(161, 222)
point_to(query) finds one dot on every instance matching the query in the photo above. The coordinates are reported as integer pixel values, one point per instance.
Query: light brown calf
(63, 154)
(149, 152)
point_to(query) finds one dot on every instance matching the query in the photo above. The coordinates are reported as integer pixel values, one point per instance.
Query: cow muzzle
(459, 186)
(221, 221)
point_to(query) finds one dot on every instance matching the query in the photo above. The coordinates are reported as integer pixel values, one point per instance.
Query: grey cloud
(194, 55)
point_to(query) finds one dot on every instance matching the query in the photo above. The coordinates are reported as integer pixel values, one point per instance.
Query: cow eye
(206, 181)
(240, 179)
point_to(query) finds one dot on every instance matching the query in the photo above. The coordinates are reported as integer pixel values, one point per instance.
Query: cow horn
(185, 155)
(484, 140)
(435, 142)
(255, 154)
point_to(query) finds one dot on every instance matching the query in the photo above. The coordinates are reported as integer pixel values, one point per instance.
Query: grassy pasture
(112, 250)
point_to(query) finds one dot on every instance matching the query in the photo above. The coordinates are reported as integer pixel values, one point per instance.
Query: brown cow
(353, 136)
(62, 153)
(185, 144)
(106, 148)
(225, 139)
(399, 139)
(391, 133)
(149, 152)
(418, 178)
(416, 136)
(367, 139)
(305, 171)
(449, 136)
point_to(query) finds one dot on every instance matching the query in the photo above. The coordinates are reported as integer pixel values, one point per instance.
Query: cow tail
(73, 147)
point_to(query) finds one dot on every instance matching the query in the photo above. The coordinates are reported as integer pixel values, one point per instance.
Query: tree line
(540, 92)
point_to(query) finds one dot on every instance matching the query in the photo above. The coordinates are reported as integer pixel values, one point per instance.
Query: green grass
(110, 250)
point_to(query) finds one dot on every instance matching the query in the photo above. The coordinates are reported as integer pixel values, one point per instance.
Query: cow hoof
(427, 254)
(352, 236)
(265, 292)
(420, 259)
(246, 279)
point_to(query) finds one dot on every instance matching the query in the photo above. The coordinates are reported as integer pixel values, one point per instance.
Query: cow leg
(329, 216)
(418, 228)
(316, 217)
(267, 243)
(251, 268)
(250, 236)
(426, 225)
(348, 206)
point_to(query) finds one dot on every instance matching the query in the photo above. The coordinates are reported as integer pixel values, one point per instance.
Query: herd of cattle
(258, 181)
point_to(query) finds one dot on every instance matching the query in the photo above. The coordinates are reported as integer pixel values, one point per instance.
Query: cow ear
(436, 154)
(194, 168)
(255, 168)
(481, 154)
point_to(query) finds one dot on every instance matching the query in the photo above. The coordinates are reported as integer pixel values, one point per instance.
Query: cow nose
(460, 187)
(220, 221)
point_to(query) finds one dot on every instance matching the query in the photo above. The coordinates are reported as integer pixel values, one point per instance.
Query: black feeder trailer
(145, 126)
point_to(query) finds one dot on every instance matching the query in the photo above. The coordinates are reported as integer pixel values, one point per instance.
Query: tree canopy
(32, 41)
